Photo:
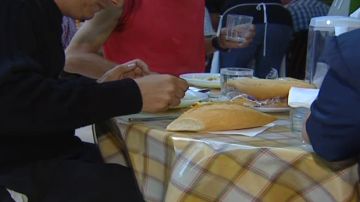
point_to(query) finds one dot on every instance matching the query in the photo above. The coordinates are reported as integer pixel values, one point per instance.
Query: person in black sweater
(39, 154)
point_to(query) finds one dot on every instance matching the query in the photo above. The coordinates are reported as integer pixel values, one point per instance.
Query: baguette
(219, 117)
(262, 89)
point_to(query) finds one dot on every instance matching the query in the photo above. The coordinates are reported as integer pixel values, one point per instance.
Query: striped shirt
(303, 10)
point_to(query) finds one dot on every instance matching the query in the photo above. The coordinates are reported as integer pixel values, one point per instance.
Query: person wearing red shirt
(167, 35)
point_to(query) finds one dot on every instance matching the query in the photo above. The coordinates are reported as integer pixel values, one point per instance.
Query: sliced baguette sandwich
(219, 117)
(262, 89)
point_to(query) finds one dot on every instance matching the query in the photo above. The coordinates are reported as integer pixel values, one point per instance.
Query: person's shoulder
(17, 4)
(349, 45)
(349, 39)
(343, 56)
(344, 47)
(13, 8)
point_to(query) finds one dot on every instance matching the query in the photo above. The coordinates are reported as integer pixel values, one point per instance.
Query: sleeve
(32, 102)
(41, 104)
(334, 124)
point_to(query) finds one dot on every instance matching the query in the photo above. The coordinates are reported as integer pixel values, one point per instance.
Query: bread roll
(218, 117)
(267, 88)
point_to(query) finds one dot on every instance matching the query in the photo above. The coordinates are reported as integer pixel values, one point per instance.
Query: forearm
(334, 165)
(91, 65)
(82, 54)
(209, 48)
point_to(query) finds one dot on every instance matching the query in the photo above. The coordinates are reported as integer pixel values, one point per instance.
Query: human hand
(132, 69)
(247, 31)
(160, 91)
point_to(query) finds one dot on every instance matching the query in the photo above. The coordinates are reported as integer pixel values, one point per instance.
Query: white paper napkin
(302, 97)
(246, 132)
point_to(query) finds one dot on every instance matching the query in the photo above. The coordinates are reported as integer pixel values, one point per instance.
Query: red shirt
(167, 34)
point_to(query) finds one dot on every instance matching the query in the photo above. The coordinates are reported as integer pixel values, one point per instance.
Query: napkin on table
(302, 97)
(246, 132)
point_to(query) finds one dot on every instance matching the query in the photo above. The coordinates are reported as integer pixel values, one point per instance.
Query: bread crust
(219, 117)
(262, 89)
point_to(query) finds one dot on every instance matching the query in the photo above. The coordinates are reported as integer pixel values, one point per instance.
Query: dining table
(275, 165)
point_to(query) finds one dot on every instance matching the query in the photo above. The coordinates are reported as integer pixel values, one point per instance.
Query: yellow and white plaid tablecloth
(273, 166)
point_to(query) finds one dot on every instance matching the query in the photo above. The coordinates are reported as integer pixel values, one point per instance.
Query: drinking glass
(232, 73)
(237, 26)
(298, 117)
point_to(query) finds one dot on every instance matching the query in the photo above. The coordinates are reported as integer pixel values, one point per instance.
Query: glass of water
(232, 73)
(237, 26)
(297, 120)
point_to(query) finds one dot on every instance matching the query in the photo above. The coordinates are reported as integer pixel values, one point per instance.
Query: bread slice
(263, 89)
(219, 117)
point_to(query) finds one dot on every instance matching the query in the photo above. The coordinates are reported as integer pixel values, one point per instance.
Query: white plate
(205, 80)
(191, 97)
(272, 109)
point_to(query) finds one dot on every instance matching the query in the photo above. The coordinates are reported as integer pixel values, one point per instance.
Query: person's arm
(333, 125)
(82, 53)
(335, 165)
(34, 101)
(43, 104)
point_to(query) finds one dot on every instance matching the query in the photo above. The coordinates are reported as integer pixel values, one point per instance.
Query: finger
(252, 28)
(179, 94)
(138, 72)
(139, 66)
(174, 102)
(143, 66)
(120, 69)
(164, 106)
(182, 84)
(128, 75)
(243, 44)
(131, 65)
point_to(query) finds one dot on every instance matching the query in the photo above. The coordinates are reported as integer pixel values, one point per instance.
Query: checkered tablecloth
(274, 166)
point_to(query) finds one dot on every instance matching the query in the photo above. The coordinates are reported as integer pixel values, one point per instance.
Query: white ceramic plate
(272, 109)
(205, 80)
(191, 97)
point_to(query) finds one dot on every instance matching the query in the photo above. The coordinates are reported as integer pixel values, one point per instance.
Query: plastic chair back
(340, 7)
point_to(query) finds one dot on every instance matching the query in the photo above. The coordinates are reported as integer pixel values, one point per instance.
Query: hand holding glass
(237, 27)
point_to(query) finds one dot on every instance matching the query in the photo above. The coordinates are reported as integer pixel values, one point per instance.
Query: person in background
(301, 13)
(169, 37)
(334, 123)
(69, 29)
(270, 43)
(40, 156)
(303, 10)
